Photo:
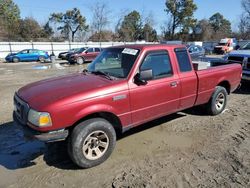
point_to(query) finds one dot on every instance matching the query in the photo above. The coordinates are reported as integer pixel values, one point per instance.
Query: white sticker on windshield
(129, 51)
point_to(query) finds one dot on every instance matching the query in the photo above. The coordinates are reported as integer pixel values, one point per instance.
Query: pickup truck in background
(225, 46)
(241, 56)
(124, 87)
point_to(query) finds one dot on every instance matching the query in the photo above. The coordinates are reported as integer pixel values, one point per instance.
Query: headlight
(40, 119)
(225, 57)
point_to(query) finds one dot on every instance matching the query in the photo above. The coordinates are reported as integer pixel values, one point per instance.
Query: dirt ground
(186, 149)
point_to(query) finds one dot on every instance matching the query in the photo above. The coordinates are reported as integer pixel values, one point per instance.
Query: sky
(41, 9)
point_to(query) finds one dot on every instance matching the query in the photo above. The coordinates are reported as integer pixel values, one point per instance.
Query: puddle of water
(45, 67)
(40, 67)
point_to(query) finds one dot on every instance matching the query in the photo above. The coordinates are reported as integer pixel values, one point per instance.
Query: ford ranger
(124, 87)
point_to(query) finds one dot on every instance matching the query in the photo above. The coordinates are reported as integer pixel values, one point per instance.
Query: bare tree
(166, 30)
(246, 6)
(244, 27)
(203, 30)
(148, 32)
(101, 15)
(120, 17)
(244, 23)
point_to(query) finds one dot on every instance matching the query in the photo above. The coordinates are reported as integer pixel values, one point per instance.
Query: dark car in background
(63, 55)
(78, 51)
(86, 56)
(196, 51)
(27, 55)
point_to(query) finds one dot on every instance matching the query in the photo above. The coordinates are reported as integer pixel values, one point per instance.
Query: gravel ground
(186, 149)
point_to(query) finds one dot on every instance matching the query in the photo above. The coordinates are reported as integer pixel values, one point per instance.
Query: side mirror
(142, 77)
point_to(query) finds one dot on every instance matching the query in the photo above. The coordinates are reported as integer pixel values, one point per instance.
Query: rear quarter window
(183, 60)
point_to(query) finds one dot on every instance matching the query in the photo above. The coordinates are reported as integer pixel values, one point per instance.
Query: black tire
(41, 59)
(16, 60)
(218, 101)
(80, 60)
(82, 144)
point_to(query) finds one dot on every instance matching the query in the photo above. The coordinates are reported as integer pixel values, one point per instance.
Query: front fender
(95, 109)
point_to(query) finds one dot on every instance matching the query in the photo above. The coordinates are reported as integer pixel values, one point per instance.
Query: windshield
(74, 50)
(246, 47)
(80, 50)
(116, 62)
(222, 44)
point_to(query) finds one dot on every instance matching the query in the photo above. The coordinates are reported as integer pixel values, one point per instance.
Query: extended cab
(124, 87)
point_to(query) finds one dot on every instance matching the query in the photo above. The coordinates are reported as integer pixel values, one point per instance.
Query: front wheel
(91, 142)
(218, 101)
(41, 59)
(15, 60)
(80, 60)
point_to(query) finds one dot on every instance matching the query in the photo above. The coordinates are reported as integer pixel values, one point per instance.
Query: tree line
(131, 26)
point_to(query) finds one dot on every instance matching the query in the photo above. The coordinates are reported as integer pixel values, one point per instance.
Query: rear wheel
(15, 59)
(91, 142)
(41, 59)
(80, 60)
(218, 101)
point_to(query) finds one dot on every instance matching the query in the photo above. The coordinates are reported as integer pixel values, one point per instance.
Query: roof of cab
(149, 46)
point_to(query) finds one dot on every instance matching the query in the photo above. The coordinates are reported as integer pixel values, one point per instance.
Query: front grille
(218, 50)
(246, 66)
(235, 59)
(21, 109)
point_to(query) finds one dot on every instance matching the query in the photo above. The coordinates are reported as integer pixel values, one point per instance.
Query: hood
(70, 88)
(11, 54)
(220, 46)
(240, 52)
(62, 53)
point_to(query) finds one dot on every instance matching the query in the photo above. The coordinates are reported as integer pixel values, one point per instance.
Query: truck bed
(212, 74)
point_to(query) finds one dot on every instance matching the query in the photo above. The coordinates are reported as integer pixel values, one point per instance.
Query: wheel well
(226, 85)
(110, 117)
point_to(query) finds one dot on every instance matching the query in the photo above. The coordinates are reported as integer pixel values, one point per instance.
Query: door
(188, 79)
(160, 96)
(24, 55)
(89, 54)
(33, 55)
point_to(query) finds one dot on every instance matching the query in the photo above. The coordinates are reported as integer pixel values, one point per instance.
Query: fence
(56, 47)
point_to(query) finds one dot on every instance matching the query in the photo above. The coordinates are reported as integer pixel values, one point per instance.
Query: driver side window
(160, 64)
(24, 52)
(90, 50)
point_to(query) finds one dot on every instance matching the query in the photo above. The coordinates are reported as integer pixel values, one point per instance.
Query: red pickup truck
(125, 86)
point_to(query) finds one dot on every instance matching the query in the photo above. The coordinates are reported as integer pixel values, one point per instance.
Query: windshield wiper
(106, 75)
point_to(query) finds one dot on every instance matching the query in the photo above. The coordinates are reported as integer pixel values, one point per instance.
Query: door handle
(173, 84)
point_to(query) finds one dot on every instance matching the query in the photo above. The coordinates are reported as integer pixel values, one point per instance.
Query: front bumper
(31, 134)
(8, 59)
(72, 60)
